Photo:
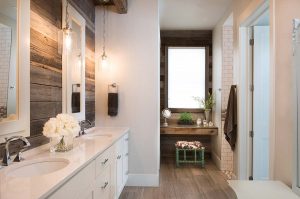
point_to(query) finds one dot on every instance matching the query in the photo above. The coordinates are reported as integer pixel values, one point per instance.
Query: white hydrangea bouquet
(61, 130)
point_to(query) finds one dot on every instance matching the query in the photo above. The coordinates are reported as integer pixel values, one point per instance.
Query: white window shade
(186, 76)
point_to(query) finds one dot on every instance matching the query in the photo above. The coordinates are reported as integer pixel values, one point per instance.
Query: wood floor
(187, 182)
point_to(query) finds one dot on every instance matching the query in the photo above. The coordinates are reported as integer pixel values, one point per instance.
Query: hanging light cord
(67, 15)
(104, 31)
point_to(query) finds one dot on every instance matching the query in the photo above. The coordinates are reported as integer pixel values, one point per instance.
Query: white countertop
(261, 190)
(84, 151)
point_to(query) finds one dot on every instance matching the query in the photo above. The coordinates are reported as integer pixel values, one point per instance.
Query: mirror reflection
(8, 60)
(76, 69)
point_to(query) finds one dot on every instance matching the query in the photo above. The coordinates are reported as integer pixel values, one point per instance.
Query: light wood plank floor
(187, 182)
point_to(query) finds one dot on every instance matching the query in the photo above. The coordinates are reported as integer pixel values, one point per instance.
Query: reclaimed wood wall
(46, 60)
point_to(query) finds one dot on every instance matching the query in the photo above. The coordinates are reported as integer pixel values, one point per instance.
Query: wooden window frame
(181, 110)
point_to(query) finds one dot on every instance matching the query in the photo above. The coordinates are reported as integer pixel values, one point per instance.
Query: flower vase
(62, 143)
(207, 113)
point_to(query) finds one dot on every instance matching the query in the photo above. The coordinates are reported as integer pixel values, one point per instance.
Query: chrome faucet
(6, 156)
(82, 125)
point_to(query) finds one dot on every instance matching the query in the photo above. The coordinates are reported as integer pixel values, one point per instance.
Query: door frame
(247, 19)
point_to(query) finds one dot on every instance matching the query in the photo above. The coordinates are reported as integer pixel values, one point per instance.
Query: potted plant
(185, 119)
(207, 104)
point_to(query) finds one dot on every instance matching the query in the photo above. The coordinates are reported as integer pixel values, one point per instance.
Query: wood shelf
(188, 130)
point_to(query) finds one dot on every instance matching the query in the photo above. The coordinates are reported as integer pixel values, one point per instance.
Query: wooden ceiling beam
(120, 5)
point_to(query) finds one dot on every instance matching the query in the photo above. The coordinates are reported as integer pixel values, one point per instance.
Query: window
(186, 77)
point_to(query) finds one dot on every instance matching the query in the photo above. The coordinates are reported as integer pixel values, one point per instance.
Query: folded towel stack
(188, 145)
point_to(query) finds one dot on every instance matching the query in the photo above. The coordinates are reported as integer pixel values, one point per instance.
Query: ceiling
(191, 14)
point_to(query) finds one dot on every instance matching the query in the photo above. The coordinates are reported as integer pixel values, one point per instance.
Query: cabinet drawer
(104, 160)
(104, 184)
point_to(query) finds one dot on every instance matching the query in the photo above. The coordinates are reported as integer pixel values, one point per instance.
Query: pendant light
(104, 59)
(67, 29)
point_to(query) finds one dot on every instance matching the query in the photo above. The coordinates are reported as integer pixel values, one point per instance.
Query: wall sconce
(67, 30)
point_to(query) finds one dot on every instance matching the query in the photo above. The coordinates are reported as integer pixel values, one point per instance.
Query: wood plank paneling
(42, 110)
(46, 60)
(45, 93)
(44, 50)
(40, 74)
(50, 11)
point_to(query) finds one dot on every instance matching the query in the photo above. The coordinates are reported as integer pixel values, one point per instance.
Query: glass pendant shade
(68, 37)
(104, 62)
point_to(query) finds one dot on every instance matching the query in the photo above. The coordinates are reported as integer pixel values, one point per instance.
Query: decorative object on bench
(61, 130)
(186, 119)
(205, 124)
(199, 122)
(195, 147)
(166, 114)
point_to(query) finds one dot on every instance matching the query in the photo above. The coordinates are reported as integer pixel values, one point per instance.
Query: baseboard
(216, 160)
(143, 180)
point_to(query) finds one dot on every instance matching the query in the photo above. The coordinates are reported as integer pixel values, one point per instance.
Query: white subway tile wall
(5, 47)
(227, 81)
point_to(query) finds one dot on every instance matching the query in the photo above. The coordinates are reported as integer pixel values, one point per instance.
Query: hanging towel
(112, 104)
(230, 126)
(75, 102)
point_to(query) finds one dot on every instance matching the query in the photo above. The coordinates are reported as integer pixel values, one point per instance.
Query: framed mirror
(14, 67)
(8, 60)
(73, 62)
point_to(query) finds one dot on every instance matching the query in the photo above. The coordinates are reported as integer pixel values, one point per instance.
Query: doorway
(260, 95)
(255, 95)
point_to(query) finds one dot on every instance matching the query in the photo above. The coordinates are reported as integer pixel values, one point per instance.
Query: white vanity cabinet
(103, 178)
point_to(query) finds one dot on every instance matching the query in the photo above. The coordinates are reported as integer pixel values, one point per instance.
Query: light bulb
(104, 62)
(68, 41)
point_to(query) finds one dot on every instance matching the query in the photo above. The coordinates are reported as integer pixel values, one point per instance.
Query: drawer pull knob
(119, 157)
(104, 162)
(105, 185)
(126, 154)
(126, 139)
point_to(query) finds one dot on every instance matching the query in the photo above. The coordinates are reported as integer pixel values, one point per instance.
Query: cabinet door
(119, 167)
(81, 183)
(88, 194)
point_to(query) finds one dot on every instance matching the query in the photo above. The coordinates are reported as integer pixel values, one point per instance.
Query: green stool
(198, 156)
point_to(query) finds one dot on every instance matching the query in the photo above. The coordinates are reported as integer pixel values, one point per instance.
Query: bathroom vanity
(97, 167)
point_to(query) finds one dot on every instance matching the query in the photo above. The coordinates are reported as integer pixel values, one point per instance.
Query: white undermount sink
(37, 167)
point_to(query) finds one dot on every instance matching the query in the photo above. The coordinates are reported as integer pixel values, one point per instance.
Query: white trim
(143, 180)
(66, 71)
(247, 18)
(22, 125)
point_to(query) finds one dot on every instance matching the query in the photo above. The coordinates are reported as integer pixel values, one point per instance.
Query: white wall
(133, 51)
(282, 13)
(217, 84)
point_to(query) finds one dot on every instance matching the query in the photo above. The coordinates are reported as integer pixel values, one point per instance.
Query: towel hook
(113, 88)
